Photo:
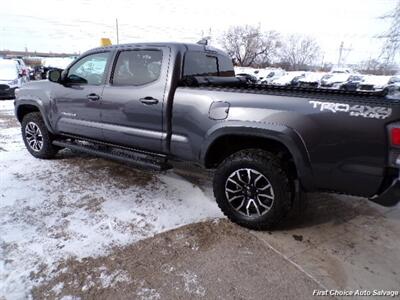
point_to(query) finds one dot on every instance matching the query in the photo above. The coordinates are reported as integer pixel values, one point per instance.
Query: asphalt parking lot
(79, 227)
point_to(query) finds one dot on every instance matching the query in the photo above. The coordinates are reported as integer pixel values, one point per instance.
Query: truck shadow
(322, 208)
(312, 210)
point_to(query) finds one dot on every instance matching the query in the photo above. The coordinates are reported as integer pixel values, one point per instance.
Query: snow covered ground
(79, 206)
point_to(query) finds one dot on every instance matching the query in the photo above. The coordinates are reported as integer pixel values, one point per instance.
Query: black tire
(260, 162)
(47, 150)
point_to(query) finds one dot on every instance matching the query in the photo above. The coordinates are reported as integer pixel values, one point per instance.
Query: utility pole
(340, 54)
(3, 43)
(323, 61)
(116, 26)
(341, 51)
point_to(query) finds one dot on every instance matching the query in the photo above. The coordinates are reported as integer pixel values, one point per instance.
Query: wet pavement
(336, 242)
(212, 260)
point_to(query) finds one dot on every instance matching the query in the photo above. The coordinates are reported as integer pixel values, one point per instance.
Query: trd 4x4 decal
(364, 111)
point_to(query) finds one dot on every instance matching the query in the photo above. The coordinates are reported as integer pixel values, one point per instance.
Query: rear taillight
(395, 136)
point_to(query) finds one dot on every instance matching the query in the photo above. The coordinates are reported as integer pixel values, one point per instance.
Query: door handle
(93, 97)
(148, 100)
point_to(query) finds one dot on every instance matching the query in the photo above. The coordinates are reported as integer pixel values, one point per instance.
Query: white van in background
(10, 78)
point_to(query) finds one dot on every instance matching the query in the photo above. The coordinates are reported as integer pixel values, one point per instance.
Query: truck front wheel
(37, 139)
(252, 189)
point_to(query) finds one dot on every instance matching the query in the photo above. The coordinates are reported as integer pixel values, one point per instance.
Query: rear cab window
(197, 63)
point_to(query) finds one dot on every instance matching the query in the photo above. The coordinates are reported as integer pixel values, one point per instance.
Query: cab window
(199, 63)
(137, 67)
(225, 66)
(89, 70)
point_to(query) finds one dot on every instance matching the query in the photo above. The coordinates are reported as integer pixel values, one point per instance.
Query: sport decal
(365, 111)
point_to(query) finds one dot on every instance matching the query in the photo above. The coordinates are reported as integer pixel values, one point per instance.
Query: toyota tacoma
(151, 104)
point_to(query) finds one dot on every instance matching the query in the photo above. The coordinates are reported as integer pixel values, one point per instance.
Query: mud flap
(390, 197)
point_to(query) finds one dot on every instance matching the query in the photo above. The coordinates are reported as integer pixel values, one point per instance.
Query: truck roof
(174, 45)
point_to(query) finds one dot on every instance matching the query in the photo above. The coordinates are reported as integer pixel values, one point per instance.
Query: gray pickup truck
(152, 104)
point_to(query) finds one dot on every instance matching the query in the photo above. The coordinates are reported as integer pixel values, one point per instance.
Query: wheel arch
(275, 138)
(24, 107)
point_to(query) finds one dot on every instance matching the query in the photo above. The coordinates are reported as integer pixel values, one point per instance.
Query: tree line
(249, 46)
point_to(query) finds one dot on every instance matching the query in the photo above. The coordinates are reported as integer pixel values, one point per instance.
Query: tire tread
(273, 164)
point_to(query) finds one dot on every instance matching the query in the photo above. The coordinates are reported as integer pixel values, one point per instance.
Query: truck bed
(344, 134)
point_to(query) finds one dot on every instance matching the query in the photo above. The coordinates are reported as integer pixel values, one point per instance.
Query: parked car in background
(248, 77)
(10, 78)
(393, 87)
(23, 69)
(311, 79)
(36, 73)
(266, 76)
(352, 83)
(380, 83)
(289, 79)
(334, 80)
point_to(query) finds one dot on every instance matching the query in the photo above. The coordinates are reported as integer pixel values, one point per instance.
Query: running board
(137, 159)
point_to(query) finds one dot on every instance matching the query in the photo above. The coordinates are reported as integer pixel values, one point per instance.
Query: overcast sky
(78, 25)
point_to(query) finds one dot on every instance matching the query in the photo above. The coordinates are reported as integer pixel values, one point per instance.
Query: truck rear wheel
(37, 138)
(252, 189)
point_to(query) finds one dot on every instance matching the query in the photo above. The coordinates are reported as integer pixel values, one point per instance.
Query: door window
(89, 70)
(137, 67)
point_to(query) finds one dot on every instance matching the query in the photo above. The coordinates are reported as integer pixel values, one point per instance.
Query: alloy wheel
(34, 136)
(249, 192)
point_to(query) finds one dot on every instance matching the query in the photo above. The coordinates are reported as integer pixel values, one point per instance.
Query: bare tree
(271, 43)
(391, 46)
(376, 67)
(299, 52)
(248, 46)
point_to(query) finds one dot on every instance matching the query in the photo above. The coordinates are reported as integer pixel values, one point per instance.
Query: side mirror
(54, 75)
(75, 79)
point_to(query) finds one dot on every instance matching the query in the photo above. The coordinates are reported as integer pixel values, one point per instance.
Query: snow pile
(7, 107)
(78, 206)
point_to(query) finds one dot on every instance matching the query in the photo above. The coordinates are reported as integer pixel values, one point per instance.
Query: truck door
(77, 100)
(133, 100)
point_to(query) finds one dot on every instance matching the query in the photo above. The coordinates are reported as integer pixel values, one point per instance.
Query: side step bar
(137, 159)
